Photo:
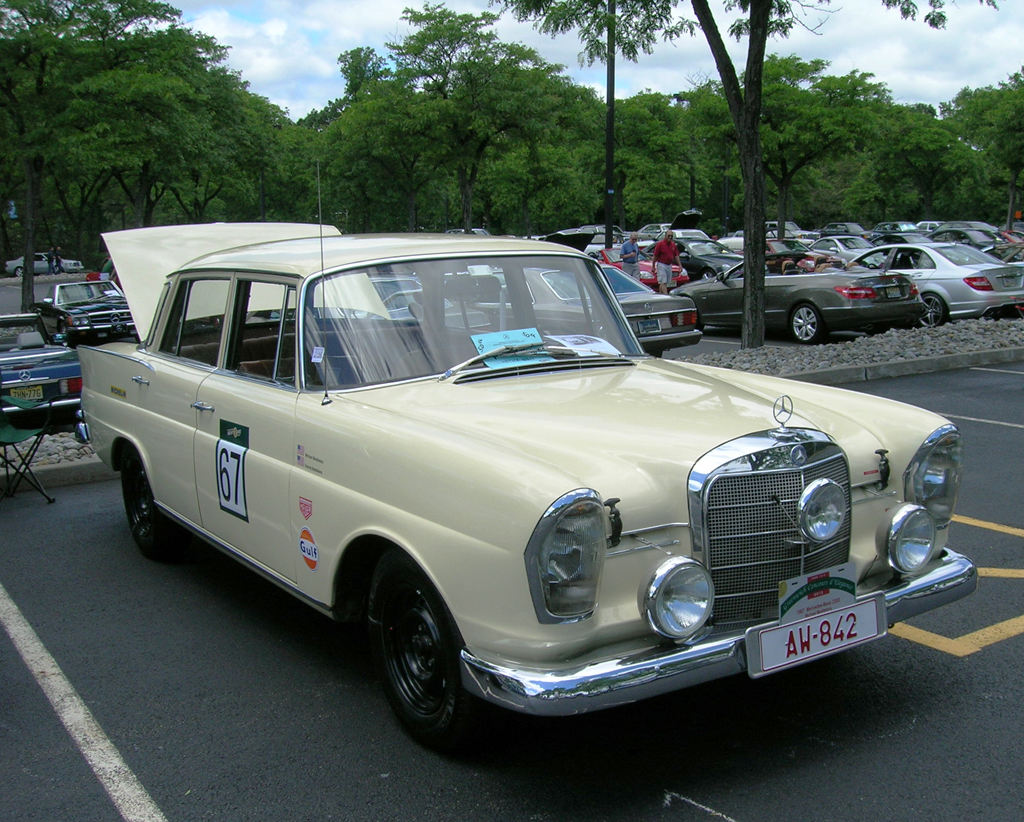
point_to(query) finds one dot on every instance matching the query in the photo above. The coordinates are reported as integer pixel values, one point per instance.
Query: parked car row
(496, 481)
(41, 265)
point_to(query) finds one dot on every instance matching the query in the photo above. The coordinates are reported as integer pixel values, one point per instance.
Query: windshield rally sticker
(307, 546)
(232, 447)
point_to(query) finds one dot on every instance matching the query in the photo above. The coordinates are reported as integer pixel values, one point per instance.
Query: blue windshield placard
(513, 338)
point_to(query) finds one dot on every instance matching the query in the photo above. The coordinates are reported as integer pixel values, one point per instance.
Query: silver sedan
(956, 281)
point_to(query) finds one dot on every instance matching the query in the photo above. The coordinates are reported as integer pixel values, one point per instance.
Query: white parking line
(998, 370)
(121, 785)
(988, 422)
(670, 796)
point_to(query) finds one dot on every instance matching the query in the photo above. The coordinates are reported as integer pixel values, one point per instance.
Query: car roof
(144, 257)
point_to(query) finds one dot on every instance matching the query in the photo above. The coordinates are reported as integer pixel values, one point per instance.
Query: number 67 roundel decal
(232, 447)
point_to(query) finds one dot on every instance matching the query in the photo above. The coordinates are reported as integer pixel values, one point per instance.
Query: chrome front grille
(743, 506)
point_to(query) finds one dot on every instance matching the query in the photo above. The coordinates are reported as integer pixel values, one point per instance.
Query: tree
(636, 23)
(992, 119)
(478, 88)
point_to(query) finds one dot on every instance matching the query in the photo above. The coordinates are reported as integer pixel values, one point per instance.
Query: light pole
(609, 132)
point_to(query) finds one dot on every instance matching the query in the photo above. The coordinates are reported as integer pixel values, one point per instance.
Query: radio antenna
(323, 282)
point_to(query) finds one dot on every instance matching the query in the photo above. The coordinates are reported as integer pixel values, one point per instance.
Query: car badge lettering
(118, 392)
(234, 432)
(307, 546)
(305, 507)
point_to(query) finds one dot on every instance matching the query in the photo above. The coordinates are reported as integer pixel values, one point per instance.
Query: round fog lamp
(821, 510)
(911, 540)
(677, 600)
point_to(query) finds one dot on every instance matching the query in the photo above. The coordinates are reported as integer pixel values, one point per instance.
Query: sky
(287, 50)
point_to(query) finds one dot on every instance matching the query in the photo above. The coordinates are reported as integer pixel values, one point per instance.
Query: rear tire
(157, 536)
(806, 324)
(935, 313)
(415, 645)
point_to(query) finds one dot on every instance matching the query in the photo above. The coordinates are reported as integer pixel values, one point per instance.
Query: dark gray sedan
(659, 321)
(810, 305)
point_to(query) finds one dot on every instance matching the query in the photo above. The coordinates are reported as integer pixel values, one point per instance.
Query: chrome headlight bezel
(933, 476)
(661, 593)
(565, 557)
(912, 539)
(821, 510)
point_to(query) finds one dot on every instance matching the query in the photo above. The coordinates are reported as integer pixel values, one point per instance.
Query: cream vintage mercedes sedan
(396, 430)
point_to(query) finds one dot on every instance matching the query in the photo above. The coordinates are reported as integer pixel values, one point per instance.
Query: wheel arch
(354, 573)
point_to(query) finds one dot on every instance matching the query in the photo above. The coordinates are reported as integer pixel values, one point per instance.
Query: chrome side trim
(266, 573)
(110, 353)
(663, 668)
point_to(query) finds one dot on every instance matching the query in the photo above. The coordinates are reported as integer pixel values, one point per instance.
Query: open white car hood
(143, 257)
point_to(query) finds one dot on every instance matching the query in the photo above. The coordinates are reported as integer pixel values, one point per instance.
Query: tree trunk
(33, 185)
(466, 196)
(1012, 205)
(745, 107)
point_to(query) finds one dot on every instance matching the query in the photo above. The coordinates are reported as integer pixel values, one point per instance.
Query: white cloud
(288, 49)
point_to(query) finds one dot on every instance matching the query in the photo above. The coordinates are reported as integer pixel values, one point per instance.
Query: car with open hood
(498, 483)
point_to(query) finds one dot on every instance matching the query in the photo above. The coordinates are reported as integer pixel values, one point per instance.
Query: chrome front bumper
(665, 668)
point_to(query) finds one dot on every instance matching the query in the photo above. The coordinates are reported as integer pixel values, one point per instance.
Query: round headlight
(911, 539)
(821, 510)
(933, 477)
(677, 600)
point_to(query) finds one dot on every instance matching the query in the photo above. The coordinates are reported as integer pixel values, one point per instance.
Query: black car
(900, 237)
(34, 370)
(86, 312)
(977, 237)
(705, 258)
(855, 229)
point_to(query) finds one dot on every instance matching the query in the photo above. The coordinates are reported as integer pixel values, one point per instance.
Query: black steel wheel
(935, 313)
(416, 645)
(806, 324)
(157, 537)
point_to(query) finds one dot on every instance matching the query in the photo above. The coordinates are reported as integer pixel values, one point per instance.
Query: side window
(263, 340)
(924, 260)
(197, 316)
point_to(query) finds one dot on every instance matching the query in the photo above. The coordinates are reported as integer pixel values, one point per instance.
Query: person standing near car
(629, 253)
(58, 262)
(665, 254)
(50, 256)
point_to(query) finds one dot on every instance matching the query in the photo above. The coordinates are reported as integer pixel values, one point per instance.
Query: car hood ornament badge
(782, 410)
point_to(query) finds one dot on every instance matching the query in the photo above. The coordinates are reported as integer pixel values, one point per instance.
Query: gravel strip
(895, 345)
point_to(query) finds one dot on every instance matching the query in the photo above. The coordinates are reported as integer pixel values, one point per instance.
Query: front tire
(157, 536)
(935, 313)
(806, 324)
(415, 645)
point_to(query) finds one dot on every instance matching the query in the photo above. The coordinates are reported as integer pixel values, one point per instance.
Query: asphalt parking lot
(213, 695)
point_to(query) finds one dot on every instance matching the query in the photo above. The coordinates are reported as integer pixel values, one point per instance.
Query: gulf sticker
(307, 545)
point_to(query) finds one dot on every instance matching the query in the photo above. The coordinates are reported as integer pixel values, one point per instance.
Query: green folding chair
(24, 443)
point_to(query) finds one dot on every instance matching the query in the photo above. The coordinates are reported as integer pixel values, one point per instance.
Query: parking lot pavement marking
(121, 785)
(991, 526)
(978, 419)
(974, 641)
(670, 796)
(998, 370)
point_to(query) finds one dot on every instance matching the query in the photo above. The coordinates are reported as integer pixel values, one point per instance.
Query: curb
(903, 368)
(54, 475)
(91, 469)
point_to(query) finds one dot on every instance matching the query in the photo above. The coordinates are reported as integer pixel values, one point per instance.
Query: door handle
(199, 405)
(140, 380)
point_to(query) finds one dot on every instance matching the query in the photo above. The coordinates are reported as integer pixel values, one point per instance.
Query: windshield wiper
(557, 351)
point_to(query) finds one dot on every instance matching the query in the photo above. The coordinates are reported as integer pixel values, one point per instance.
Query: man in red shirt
(664, 255)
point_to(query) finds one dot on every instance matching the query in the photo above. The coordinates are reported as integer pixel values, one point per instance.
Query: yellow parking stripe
(1002, 573)
(955, 647)
(991, 526)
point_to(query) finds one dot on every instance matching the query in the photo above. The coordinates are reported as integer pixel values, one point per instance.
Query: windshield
(86, 292)
(622, 283)
(965, 255)
(710, 247)
(393, 322)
